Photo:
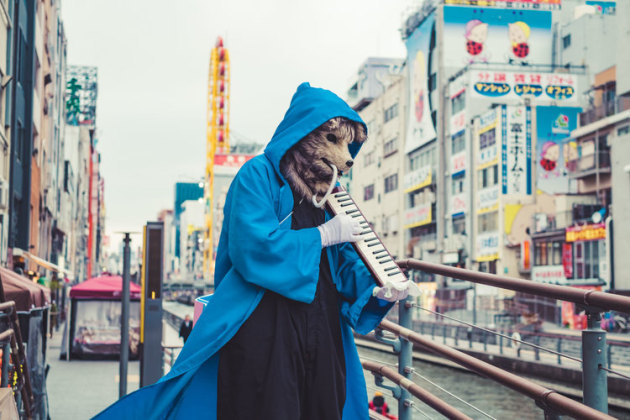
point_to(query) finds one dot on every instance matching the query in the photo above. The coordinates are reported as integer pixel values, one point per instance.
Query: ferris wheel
(217, 137)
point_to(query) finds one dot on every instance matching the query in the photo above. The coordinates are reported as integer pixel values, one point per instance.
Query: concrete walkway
(80, 389)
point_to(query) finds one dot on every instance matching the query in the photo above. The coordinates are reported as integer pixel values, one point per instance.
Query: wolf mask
(306, 166)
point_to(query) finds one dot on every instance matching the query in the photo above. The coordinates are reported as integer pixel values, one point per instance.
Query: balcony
(608, 108)
(589, 165)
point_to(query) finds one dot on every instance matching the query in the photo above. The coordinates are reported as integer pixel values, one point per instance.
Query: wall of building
(620, 162)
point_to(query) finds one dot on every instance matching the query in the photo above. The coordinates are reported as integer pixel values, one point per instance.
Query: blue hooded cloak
(259, 251)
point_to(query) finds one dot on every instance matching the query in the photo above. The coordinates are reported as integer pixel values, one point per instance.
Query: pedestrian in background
(185, 328)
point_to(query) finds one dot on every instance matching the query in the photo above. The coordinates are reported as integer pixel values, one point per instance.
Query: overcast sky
(152, 59)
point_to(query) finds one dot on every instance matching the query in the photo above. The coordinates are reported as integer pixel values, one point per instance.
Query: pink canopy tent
(96, 315)
(104, 287)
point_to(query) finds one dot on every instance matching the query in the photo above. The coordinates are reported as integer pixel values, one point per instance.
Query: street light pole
(124, 318)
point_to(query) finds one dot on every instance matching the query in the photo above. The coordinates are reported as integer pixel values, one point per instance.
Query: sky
(153, 58)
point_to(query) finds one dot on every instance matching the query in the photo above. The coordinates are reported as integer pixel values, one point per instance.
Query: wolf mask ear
(360, 134)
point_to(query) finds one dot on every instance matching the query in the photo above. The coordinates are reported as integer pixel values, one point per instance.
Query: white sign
(417, 178)
(458, 162)
(487, 244)
(545, 88)
(458, 203)
(458, 122)
(487, 197)
(516, 150)
(417, 216)
(549, 274)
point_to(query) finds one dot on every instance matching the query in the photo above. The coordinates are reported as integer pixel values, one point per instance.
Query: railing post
(500, 344)
(4, 377)
(594, 379)
(609, 358)
(536, 349)
(405, 359)
(559, 350)
(469, 332)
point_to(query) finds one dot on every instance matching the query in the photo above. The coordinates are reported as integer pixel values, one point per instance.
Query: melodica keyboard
(371, 250)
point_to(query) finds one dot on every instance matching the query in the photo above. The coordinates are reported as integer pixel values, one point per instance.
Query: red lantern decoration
(219, 42)
(220, 137)
(222, 69)
(221, 86)
(221, 102)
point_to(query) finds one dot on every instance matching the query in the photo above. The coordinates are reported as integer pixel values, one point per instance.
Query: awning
(17, 252)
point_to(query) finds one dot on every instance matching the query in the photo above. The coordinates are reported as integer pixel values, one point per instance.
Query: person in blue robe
(260, 255)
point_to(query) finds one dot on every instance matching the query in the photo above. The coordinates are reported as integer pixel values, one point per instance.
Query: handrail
(415, 389)
(594, 298)
(544, 396)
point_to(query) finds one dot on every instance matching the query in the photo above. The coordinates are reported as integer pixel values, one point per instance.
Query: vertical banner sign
(556, 155)
(420, 126)
(516, 150)
(567, 260)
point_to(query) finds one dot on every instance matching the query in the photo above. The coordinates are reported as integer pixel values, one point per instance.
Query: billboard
(420, 128)
(555, 154)
(516, 150)
(542, 87)
(486, 139)
(515, 4)
(493, 35)
(232, 160)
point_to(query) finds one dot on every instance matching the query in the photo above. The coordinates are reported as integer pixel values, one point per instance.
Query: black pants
(286, 361)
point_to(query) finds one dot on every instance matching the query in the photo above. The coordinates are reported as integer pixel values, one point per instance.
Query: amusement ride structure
(217, 137)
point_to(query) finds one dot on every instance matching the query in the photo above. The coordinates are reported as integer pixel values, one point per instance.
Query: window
(488, 222)
(458, 103)
(488, 267)
(458, 184)
(566, 41)
(623, 130)
(487, 139)
(368, 192)
(422, 158)
(587, 259)
(459, 224)
(489, 176)
(458, 142)
(391, 183)
(548, 253)
(390, 147)
(368, 158)
(391, 112)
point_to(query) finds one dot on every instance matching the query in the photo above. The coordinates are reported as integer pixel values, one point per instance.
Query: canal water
(488, 396)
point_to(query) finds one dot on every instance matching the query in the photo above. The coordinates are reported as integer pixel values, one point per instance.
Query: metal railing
(12, 338)
(594, 349)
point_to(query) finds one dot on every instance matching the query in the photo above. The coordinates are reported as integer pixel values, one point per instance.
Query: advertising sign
(231, 160)
(555, 156)
(418, 216)
(516, 150)
(486, 139)
(494, 35)
(420, 125)
(567, 260)
(487, 246)
(515, 4)
(487, 199)
(458, 122)
(542, 87)
(458, 204)
(419, 178)
(549, 274)
(526, 256)
(592, 232)
(458, 162)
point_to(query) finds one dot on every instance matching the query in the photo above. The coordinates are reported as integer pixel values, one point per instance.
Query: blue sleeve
(359, 308)
(284, 261)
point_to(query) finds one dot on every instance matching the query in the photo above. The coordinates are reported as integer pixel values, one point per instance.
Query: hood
(310, 107)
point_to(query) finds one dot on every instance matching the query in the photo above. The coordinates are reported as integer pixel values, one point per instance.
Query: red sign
(231, 160)
(586, 233)
(567, 260)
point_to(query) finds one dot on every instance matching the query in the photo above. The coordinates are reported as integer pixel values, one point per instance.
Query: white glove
(341, 228)
(394, 291)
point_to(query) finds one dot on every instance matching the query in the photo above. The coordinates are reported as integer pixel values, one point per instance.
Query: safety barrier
(594, 349)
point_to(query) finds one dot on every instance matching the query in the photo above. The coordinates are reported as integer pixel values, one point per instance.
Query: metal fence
(595, 366)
